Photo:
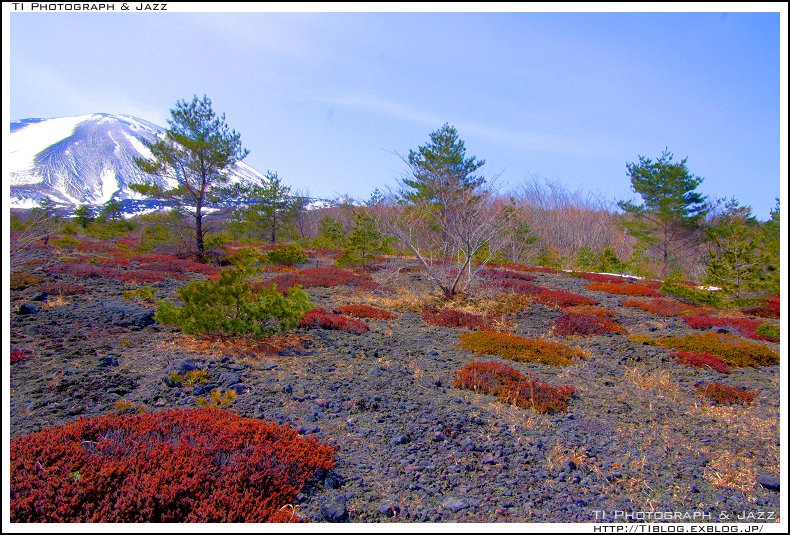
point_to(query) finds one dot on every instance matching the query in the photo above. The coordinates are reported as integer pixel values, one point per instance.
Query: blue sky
(328, 100)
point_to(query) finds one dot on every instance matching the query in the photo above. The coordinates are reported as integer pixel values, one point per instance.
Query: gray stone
(769, 481)
(334, 508)
(122, 314)
(26, 309)
(455, 504)
(389, 509)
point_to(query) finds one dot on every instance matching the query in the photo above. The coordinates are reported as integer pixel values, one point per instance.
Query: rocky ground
(411, 448)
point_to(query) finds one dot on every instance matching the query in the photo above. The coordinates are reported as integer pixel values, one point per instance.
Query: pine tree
(737, 262)
(198, 151)
(671, 213)
(83, 215)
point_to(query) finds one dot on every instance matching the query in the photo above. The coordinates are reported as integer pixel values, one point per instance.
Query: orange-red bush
(585, 325)
(641, 288)
(512, 386)
(187, 465)
(701, 360)
(726, 395)
(324, 319)
(454, 318)
(662, 307)
(138, 276)
(366, 311)
(520, 348)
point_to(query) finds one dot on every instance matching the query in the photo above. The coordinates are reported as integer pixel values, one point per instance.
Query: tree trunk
(201, 252)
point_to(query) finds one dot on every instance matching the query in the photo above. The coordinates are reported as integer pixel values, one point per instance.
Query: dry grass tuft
(728, 469)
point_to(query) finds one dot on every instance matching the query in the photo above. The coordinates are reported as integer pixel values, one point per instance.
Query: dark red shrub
(701, 360)
(662, 307)
(486, 377)
(769, 309)
(185, 465)
(62, 288)
(641, 288)
(453, 318)
(560, 298)
(585, 325)
(325, 277)
(366, 311)
(324, 319)
(603, 277)
(166, 263)
(18, 355)
(726, 395)
(512, 387)
(746, 327)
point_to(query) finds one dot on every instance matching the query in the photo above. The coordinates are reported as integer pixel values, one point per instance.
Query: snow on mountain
(88, 159)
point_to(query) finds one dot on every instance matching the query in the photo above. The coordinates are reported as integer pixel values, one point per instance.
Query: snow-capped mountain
(88, 159)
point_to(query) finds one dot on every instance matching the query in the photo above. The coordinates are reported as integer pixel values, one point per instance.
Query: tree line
(451, 217)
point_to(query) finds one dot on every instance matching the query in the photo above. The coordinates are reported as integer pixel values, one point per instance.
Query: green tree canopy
(198, 151)
(441, 166)
(671, 210)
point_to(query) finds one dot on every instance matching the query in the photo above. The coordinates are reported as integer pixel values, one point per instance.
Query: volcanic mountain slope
(87, 159)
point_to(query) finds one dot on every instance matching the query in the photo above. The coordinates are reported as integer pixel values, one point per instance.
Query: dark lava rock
(400, 439)
(182, 366)
(229, 378)
(25, 309)
(768, 481)
(455, 504)
(389, 509)
(120, 314)
(334, 509)
(108, 361)
(239, 388)
(40, 296)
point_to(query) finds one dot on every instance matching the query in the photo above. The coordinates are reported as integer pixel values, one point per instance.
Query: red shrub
(94, 246)
(18, 355)
(82, 270)
(62, 288)
(324, 276)
(366, 311)
(602, 277)
(769, 309)
(727, 395)
(186, 465)
(172, 264)
(453, 318)
(512, 386)
(641, 288)
(591, 311)
(559, 298)
(486, 377)
(585, 324)
(746, 327)
(701, 360)
(662, 307)
(324, 319)
(541, 294)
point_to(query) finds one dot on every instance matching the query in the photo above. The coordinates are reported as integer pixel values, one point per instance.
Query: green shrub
(287, 255)
(690, 294)
(230, 305)
(767, 330)
(143, 293)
